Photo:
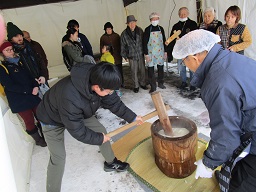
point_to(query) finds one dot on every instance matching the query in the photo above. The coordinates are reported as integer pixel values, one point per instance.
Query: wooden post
(162, 113)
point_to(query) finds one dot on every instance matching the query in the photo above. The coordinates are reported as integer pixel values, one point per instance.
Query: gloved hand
(41, 80)
(202, 170)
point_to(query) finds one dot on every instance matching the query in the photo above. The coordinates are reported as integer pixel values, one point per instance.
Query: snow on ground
(84, 163)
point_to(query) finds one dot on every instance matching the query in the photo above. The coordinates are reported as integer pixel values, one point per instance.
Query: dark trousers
(28, 117)
(243, 176)
(152, 77)
(120, 69)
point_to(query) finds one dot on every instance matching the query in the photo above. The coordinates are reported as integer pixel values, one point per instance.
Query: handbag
(43, 88)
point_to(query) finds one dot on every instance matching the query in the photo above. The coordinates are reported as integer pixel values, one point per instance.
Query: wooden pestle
(162, 113)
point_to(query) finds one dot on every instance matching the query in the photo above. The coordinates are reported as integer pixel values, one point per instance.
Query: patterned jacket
(239, 37)
(132, 48)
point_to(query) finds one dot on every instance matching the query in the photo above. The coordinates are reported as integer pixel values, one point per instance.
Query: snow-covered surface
(84, 163)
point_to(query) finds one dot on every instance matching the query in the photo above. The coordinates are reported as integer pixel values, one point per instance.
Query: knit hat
(130, 18)
(4, 45)
(12, 30)
(108, 25)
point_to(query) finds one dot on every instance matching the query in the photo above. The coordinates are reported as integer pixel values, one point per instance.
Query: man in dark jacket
(71, 104)
(39, 51)
(26, 53)
(227, 81)
(185, 25)
(132, 51)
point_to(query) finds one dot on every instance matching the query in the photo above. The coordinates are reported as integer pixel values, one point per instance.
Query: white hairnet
(194, 42)
(154, 14)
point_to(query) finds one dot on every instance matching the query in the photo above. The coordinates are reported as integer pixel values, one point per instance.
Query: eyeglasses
(8, 50)
(182, 61)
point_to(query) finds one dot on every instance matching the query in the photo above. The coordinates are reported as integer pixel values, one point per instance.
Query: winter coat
(132, 48)
(30, 59)
(38, 49)
(185, 27)
(238, 37)
(227, 81)
(86, 46)
(18, 86)
(107, 57)
(74, 52)
(71, 100)
(114, 40)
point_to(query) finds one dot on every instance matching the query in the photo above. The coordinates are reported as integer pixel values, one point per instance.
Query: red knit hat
(4, 45)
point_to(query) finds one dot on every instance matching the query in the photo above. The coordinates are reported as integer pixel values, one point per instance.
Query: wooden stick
(162, 113)
(125, 127)
(174, 36)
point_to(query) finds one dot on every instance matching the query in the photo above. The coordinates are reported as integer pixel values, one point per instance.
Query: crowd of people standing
(72, 102)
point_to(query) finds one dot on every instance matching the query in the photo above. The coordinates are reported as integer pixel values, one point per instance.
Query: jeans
(183, 72)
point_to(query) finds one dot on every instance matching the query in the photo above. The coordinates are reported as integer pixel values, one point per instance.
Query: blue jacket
(18, 86)
(228, 89)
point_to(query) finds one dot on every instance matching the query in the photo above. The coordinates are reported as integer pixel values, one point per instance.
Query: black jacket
(71, 100)
(18, 86)
(185, 28)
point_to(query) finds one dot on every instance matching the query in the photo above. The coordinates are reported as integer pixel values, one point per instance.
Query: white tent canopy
(47, 23)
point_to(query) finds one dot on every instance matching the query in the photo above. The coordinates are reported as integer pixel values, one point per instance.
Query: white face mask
(183, 19)
(155, 23)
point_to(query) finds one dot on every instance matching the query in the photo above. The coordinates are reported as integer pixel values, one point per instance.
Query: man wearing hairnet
(227, 81)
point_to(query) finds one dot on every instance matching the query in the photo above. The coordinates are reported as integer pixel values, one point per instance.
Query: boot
(40, 130)
(38, 139)
(161, 85)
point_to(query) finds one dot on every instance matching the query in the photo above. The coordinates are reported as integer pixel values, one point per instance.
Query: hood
(80, 74)
(66, 43)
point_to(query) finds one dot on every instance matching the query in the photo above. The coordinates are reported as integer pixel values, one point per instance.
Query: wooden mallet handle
(174, 36)
(162, 113)
(125, 127)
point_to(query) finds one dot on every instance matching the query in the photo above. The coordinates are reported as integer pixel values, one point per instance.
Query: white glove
(202, 170)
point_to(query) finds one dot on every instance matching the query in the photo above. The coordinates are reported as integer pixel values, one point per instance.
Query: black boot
(38, 139)
(152, 79)
(40, 130)
(161, 85)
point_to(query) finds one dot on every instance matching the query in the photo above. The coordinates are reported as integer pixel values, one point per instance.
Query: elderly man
(227, 82)
(132, 51)
(185, 25)
(155, 51)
